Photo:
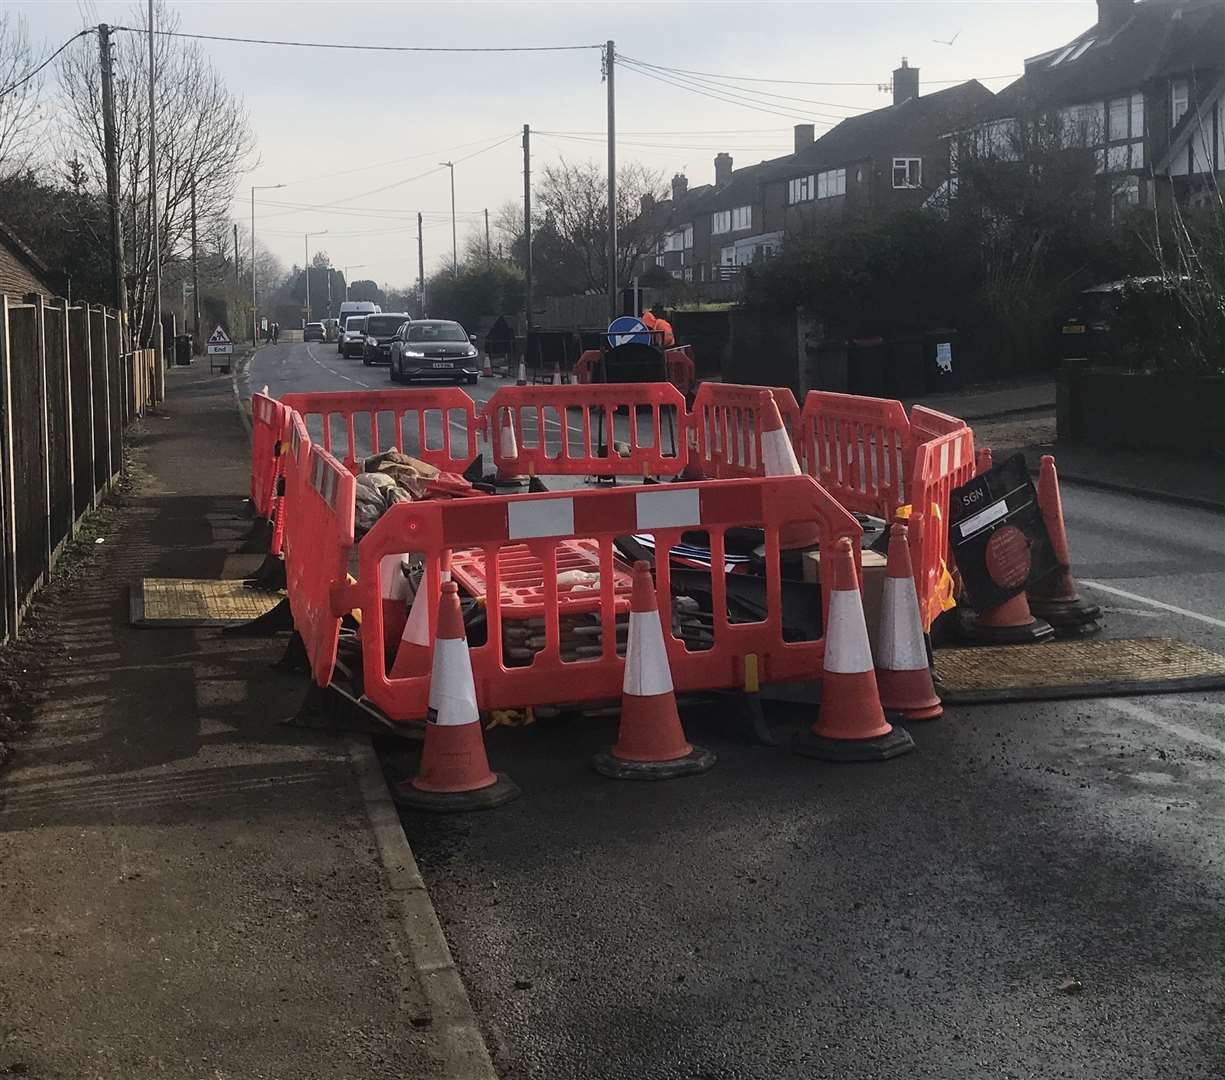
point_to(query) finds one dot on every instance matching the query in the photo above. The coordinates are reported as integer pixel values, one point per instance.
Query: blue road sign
(628, 330)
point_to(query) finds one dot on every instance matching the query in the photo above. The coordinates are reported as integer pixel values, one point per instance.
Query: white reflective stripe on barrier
(847, 651)
(900, 641)
(539, 517)
(452, 691)
(668, 509)
(646, 660)
(778, 455)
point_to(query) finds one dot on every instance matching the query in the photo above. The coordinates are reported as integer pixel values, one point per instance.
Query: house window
(1179, 101)
(1125, 134)
(742, 217)
(1120, 116)
(727, 255)
(688, 240)
(907, 172)
(688, 273)
(800, 189)
(831, 183)
(680, 240)
(721, 222)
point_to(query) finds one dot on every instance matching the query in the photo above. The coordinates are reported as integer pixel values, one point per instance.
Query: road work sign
(997, 534)
(219, 343)
(627, 330)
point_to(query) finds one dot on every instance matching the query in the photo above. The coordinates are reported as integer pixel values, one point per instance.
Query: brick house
(21, 271)
(1143, 89)
(884, 160)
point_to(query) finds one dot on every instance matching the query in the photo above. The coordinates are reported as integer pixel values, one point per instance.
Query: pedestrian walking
(276, 332)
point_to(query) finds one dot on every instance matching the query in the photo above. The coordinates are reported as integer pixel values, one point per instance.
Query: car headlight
(471, 351)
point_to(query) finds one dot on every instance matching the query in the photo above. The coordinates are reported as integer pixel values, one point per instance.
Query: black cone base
(1068, 617)
(1031, 633)
(502, 790)
(882, 748)
(696, 761)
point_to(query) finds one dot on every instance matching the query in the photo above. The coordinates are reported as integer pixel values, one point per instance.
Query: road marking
(1220, 623)
(357, 382)
(1153, 718)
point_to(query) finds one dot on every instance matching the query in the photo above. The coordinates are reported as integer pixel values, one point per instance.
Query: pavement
(190, 886)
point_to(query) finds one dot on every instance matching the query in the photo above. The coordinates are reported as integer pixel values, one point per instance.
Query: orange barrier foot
(651, 743)
(851, 724)
(902, 671)
(1055, 598)
(454, 774)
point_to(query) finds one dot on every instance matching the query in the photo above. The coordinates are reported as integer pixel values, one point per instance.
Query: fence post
(9, 478)
(89, 381)
(69, 433)
(44, 421)
(106, 386)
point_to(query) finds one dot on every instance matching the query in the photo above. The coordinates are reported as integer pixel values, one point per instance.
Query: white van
(353, 307)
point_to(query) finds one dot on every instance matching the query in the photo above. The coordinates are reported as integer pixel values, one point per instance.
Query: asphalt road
(782, 918)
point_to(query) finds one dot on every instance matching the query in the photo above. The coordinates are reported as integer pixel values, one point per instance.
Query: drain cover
(188, 602)
(1076, 669)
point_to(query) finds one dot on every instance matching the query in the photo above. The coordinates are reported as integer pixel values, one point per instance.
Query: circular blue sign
(628, 330)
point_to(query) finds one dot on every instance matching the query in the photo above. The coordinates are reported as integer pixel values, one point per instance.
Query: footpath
(189, 887)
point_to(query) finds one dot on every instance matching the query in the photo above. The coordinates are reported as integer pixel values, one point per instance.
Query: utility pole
(527, 224)
(488, 250)
(195, 271)
(254, 303)
(307, 271)
(610, 60)
(119, 287)
(159, 343)
(421, 264)
(454, 241)
(236, 277)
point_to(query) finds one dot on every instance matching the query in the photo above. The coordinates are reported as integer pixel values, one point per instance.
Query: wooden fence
(68, 391)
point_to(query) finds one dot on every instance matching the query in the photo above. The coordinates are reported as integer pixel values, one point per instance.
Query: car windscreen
(383, 325)
(355, 322)
(436, 331)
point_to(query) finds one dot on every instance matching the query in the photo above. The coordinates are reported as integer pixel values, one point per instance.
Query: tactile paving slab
(189, 602)
(1075, 669)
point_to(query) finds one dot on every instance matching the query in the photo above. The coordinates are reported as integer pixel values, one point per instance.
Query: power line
(816, 82)
(364, 48)
(30, 74)
(595, 140)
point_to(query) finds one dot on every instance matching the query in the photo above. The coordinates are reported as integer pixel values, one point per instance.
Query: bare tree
(203, 142)
(575, 198)
(19, 120)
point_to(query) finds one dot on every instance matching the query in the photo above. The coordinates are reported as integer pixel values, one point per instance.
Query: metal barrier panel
(267, 425)
(317, 558)
(858, 448)
(725, 427)
(941, 464)
(608, 429)
(737, 653)
(371, 421)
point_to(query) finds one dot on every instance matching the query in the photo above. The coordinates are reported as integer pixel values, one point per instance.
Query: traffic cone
(508, 448)
(902, 671)
(454, 773)
(778, 458)
(1055, 597)
(412, 656)
(984, 462)
(393, 588)
(651, 743)
(521, 380)
(556, 374)
(487, 370)
(851, 724)
(1009, 623)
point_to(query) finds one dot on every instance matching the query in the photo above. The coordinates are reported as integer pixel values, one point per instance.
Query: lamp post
(254, 305)
(307, 269)
(359, 266)
(454, 244)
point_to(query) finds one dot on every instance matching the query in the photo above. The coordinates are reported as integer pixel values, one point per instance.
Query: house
(874, 163)
(21, 271)
(1143, 89)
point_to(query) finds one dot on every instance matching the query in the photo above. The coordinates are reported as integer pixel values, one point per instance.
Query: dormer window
(1180, 100)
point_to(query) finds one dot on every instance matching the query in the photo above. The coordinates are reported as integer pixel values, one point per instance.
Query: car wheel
(366, 361)
(472, 379)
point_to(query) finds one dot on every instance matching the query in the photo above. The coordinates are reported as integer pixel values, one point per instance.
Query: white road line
(1153, 718)
(1220, 623)
(333, 371)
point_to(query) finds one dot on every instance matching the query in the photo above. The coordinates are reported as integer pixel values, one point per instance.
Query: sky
(388, 119)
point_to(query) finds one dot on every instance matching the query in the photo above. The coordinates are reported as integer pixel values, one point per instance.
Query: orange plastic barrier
(928, 424)
(268, 418)
(858, 448)
(585, 365)
(297, 451)
(736, 655)
(372, 421)
(682, 372)
(576, 429)
(317, 556)
(940, 464)
(724, 432)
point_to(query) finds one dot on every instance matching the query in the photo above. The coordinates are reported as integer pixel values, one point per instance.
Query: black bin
(865, 366)
(904, 373)
(182, 349)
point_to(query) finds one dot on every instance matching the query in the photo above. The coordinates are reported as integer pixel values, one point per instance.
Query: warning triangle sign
(219, 337)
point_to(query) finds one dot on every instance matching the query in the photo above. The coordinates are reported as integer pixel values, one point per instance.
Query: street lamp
(307, 269)
(454, 244)
(359, 266)
(254, 306)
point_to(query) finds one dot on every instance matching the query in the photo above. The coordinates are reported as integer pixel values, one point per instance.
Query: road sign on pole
(219, 343)
(628, 330)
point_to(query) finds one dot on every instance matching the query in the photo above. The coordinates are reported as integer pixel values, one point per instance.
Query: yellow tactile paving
(191, 601)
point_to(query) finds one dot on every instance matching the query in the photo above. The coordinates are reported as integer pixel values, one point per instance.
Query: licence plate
(442, 364)
(1074, 329)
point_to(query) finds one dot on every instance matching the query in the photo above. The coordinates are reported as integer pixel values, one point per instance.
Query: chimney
(905, 83)
(680, 187)
(1112, 14)
(647, 203)
(723, 169)
(804, 134)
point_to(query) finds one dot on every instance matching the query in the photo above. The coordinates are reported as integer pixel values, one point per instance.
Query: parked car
(380, 331)
(313, 331)
(353, 340)
(1100, 325)
(349, 308)
(434, 349)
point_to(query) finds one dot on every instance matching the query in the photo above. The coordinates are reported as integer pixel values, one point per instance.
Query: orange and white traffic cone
(393, 588)
(521, 379)
(1055, 597)
(778, 458)
(651, 743)
(454, 773)
(983, 463)
(556, 374)
(487, 370)
(903, 675)
(508, 449)
(851, 724)
(412, 656)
